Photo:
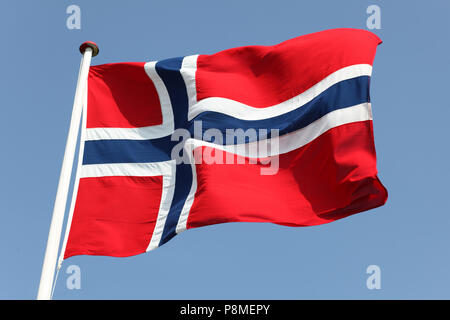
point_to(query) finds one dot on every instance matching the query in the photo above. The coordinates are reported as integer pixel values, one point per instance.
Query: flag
(280, 134)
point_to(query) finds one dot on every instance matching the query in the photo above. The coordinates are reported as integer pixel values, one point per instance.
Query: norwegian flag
(146, 126)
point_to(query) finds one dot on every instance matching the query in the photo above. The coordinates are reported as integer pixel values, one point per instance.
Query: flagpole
(88, 50)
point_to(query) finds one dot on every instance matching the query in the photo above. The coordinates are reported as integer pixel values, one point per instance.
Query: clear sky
(408, 238)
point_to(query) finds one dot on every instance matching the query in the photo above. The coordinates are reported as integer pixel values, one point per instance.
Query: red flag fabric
(280, 134)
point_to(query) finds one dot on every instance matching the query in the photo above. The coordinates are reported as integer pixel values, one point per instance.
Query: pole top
(89, 44)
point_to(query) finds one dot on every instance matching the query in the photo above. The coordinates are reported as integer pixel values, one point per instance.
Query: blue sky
(407, 238)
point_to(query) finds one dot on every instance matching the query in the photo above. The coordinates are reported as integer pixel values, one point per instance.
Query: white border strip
(164, 207)
(188, 70)
(285, 144)
(245, 112)
(147, 169)
(182, 219)
(142, 133)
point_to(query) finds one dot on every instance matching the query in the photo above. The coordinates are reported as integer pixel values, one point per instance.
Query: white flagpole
(88, 50)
